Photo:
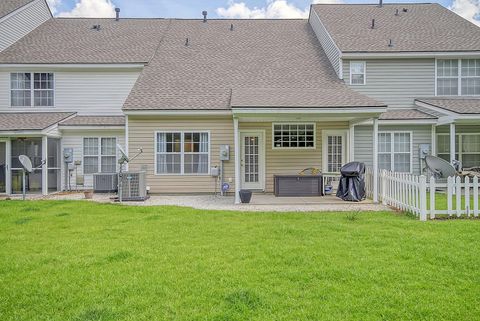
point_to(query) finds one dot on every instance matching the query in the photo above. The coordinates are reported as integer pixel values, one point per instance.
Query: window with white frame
(32, 89)
(184, 153)
(467, 147)
(293, 135)
(458, 77)
(99, 155)
(395, 151)
(357, 72)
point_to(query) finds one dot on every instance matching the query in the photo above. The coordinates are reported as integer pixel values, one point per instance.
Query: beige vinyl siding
(21, 22)
(91, 92)
(142, 134)
(331, 50)
(74, 139)
(422, 134)
(290, 161)
(396, 82)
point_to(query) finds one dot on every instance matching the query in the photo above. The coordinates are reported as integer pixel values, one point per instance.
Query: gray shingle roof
(281, 55)
(94, 121)
(8, 6)
(460, 105)
(30, 121)
(74, 41)
(424, 27)
(321, 97)
(405, 114)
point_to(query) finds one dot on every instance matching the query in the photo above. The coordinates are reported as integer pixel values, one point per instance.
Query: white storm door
(334, 150)
(252, 160)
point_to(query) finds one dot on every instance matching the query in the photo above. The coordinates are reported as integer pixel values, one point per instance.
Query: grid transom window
(182, 153)
(394, 151)
(99, 155)
(357, 72)
(32, 89)
(294, 135)
(458, 77)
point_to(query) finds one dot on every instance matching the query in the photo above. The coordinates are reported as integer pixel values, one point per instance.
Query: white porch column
(8, 172)
(45, 166)
(236, 137)
(452, 142)
(351, 143)
(434, 140)
(126, 140)
(375, 160)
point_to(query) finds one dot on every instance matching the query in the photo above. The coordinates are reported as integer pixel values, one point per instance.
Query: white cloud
(53, 4)
(469, 9)
(274, 9)
(90, 9)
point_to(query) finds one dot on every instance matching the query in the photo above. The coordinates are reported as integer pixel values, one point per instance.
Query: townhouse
(384, 85)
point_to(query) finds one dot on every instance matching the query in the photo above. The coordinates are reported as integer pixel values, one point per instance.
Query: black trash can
(245, 195)
(352, 183)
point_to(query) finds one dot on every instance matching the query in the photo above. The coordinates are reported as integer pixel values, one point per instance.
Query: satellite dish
(124, 158)
(26, 163)
(440, 167)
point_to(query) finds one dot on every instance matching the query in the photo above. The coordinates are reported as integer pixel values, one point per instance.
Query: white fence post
(432, 197)
(423, 198)
(450, 184)
(458, 189)
(475, 196)
(467, 196)
(383, 177)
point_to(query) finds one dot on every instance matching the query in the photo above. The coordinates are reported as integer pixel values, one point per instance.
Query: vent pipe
(186, 42)
(231, 27)
(390, 43)
(204, 16)
(396, 12)
(117, 14)
(380, 3)
(373, 24)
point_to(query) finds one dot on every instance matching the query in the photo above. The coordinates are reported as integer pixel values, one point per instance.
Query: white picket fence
(414, 194)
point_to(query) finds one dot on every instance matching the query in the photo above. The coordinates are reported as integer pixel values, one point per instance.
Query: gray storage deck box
(298, 185)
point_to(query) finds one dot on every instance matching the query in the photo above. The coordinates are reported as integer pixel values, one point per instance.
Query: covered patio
(282, 132)
(36, 136)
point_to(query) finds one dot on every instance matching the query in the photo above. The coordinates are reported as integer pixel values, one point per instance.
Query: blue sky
(470, 9)
(191, 8)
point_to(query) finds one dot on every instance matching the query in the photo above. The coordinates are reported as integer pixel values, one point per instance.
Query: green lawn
(86, 261)
(441, 202)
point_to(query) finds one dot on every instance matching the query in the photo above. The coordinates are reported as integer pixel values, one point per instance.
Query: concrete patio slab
(259, 202)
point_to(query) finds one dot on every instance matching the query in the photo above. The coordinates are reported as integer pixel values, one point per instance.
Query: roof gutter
(413, 54)
(177, 112)
(77, 66)
(329, 110)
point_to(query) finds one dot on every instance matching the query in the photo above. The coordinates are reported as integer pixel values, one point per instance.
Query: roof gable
(418, 28)
(218, 60)
(63, 41)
